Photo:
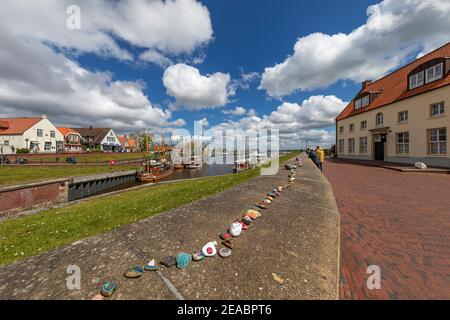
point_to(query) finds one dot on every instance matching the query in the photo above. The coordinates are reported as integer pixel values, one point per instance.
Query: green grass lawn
(86, 157)
(11, 175)
(30, 235)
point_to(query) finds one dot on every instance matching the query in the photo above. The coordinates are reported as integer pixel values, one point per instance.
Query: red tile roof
(98, 134)
(394, 87)
(122, 140)
(132, 142)
(66, 131)
(13, 126)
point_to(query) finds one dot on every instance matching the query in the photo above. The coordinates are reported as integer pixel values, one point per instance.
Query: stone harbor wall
(32, 195)
(29, 196)
(290, 252)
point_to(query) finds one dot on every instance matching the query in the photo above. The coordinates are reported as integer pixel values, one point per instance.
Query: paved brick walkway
(398, 221)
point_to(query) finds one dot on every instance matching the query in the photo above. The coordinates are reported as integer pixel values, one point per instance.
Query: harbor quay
(290, 252)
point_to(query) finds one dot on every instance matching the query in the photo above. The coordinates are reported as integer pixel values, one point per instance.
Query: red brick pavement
(398, 221)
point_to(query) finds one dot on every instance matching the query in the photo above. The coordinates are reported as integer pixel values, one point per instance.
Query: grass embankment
(83, 158)
(12, 175)
(30, 235)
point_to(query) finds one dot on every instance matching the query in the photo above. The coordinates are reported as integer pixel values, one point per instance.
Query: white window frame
(341, 146)
(362, 102)
(363, 145)
(432, 74)
(364, 125)
(351, 128)
(402, 143)
(351, 146)
(365, 101)
(41, 133)
(405, 117)
(441, 109)
(416, 80)
(439, 142)
(378, 117)
(341, 129)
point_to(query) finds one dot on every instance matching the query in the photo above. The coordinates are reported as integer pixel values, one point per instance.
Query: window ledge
(437, 117)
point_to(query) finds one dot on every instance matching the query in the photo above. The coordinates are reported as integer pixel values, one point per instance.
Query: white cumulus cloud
(171, 26)
(295, 122)
(393, 31)
(195, 91)
(156, 58)
(39, 73)
(238, 111)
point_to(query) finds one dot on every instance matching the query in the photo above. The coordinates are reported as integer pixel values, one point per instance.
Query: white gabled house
(37, 134)
(101, 139)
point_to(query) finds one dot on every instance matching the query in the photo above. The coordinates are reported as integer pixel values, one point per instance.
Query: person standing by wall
(320, 154)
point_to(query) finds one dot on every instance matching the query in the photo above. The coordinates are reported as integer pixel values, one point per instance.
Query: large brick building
(402, 117)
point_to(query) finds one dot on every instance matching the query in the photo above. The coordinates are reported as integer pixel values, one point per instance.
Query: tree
(143, 139)
(333, 150)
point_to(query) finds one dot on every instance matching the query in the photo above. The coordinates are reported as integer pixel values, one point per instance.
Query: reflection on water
(204, 171)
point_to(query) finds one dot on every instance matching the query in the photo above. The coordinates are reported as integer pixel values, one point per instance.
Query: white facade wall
(110, 141)
(30, 137)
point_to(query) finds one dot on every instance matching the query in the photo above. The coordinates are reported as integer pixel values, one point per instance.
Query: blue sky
(289, 65)
(242, 32)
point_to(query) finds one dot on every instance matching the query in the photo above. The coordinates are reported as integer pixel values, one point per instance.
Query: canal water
(178, 175)
(204, 171)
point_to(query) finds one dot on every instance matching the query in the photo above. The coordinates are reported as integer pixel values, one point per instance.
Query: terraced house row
(402, 117)
(40, 135)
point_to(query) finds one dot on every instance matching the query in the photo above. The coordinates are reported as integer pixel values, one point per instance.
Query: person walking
(320, 154)
(312, 155)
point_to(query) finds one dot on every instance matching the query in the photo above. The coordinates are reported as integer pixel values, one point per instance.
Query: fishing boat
(241, 165)
(154, 174)
(194, 163)
(179, 166)
(160, 166)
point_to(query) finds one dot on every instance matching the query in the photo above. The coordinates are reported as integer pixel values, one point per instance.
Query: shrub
(23, 150)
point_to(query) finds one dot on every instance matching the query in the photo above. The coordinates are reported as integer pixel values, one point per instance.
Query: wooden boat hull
(193, 166)
(179, 166)
(152, 177)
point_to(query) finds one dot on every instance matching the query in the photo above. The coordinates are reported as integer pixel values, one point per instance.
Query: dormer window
(427, 72)
(416, 80)
(434, 73)
(362, 102)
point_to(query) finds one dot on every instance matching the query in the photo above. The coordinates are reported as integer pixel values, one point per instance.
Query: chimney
(44, 116)
(90, 127)
(366, 83)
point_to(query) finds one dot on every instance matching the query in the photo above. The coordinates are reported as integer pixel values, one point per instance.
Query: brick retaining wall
(33, 195)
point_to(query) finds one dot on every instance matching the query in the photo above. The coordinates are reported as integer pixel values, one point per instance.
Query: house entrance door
(380, 142)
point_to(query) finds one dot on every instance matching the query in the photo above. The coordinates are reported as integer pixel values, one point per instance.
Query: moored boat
(155, 173)
(241, 165)
(194, 163)
(160, 166)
